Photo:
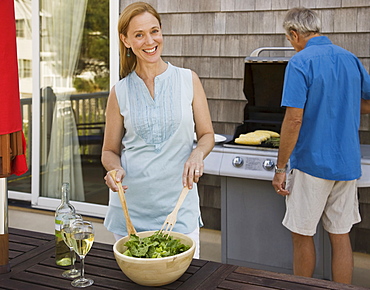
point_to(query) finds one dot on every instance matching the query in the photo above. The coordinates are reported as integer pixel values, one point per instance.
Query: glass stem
(73, 258)
(82, 267)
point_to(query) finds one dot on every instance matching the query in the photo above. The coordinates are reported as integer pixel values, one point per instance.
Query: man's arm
(365, 106)
(289, 134)
(288, 138)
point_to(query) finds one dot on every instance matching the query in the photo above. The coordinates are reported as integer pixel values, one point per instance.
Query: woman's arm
(194, 166)
(112, 146)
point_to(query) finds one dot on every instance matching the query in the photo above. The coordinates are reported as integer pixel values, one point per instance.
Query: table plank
(17, 285)
(13, 254)
(21, 242)
(201, 275)
(288, 280)
(231, 285)
(19, 247)
(32, 254)
(218, 276)
(36, 280)
(33, 267)
(14, 233)
(100, 276)
(249, 280)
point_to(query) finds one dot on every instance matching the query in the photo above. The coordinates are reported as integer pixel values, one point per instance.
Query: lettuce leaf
(154, 246)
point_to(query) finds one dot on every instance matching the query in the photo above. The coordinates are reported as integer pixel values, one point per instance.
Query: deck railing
(89, 111)
(89, 108)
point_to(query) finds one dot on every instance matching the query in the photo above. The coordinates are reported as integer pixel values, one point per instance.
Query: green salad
(154, 246)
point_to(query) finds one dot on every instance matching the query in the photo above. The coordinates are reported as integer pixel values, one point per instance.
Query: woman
(150, 119)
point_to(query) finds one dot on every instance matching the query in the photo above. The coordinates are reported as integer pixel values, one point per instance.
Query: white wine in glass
(65, 230)
(82, 238)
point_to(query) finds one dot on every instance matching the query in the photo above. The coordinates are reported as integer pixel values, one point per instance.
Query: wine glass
(65, 229)
(82, 237)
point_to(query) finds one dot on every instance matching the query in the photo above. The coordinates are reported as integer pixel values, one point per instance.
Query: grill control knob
(268, 164)
(238, 162)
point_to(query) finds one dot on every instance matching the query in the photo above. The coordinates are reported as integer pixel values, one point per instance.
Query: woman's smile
(150, 50)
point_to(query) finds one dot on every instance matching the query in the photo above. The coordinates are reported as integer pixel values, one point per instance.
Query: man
(325, 89)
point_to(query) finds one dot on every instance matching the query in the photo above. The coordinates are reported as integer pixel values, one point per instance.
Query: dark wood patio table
(33, 267)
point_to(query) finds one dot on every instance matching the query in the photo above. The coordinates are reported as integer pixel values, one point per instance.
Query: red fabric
(19, 163)
(10, 111)
(10, 106)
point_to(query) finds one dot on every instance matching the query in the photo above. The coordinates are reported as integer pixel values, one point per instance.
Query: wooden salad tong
(171, 219)
(121, 193)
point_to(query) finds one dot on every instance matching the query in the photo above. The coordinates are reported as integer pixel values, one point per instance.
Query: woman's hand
(193, 168)
(112, 184)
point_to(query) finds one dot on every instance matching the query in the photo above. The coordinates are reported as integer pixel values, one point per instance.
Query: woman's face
(144, 37)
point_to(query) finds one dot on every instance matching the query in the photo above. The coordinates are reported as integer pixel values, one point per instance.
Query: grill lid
(254, 57)
(263, 87)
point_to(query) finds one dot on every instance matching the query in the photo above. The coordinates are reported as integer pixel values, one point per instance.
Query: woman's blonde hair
(128, 63)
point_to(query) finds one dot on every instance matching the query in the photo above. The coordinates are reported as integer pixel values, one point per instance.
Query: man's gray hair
(302, 20)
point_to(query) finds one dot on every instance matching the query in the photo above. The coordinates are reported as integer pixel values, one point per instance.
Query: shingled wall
(212, 37)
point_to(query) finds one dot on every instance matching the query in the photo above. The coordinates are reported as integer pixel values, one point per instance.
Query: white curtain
(61, 32)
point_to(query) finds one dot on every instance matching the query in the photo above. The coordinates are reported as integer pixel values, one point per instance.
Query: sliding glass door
(71, 77)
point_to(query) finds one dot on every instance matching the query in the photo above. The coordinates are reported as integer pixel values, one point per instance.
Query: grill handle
(257, 51)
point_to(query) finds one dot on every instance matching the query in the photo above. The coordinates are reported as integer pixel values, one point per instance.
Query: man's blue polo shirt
(328, 82)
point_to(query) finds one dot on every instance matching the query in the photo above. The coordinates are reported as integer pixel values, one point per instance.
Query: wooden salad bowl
(154, 271)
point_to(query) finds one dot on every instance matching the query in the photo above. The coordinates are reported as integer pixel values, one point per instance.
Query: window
(25, 68)
(20, 28)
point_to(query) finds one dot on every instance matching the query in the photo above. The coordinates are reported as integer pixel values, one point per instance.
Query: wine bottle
(62, 252)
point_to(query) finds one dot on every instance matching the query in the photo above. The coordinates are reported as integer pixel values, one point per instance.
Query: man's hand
(279, 184)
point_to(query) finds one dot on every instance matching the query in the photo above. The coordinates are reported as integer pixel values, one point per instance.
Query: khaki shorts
(312, 199)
